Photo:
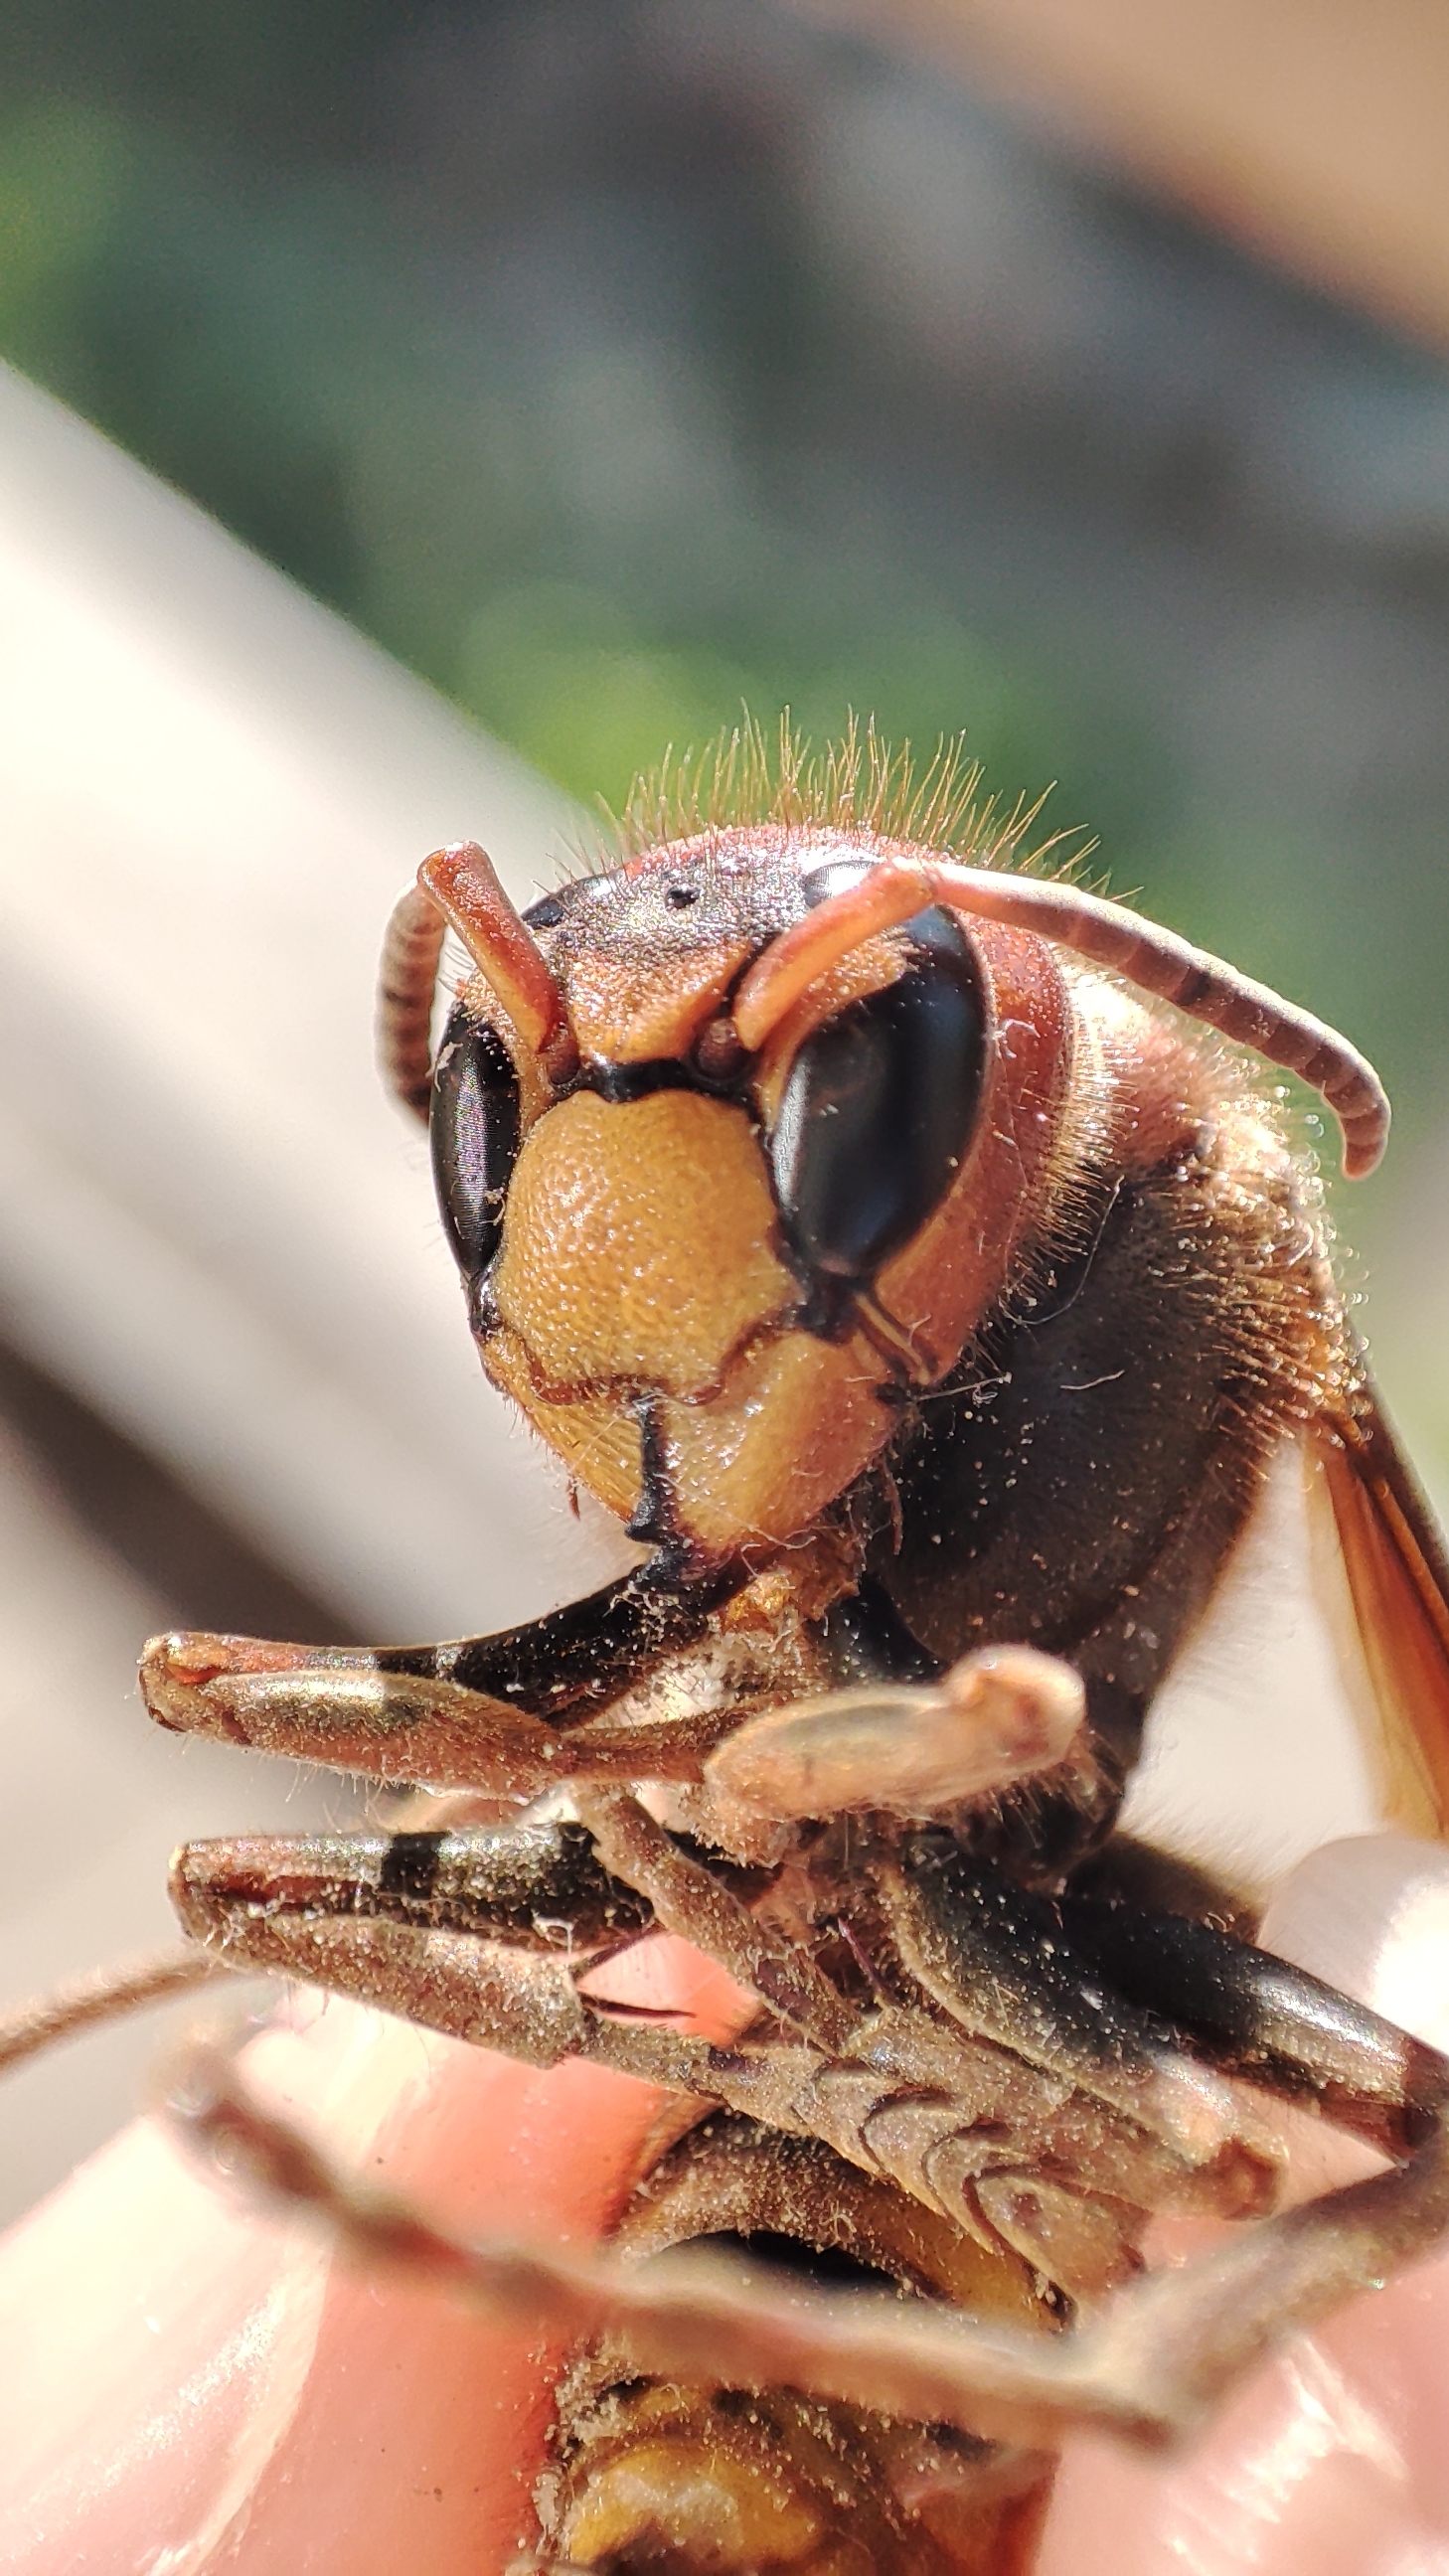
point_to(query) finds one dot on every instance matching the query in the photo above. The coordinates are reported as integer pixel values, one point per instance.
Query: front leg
(482, 1932)
(998, 1717)
(477, 1932)
(641, 1679)
(534, 1884)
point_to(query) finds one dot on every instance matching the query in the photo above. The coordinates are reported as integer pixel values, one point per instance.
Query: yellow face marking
(596, 1435)
(639, 1260)
(639, 1244)
(796, 1423)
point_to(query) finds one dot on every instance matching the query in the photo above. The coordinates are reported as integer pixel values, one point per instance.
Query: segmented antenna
(412, 949)
(457, 888)
(1153, 959)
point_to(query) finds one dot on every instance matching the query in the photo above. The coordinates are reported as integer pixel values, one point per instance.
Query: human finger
(1332, 2458)
(200, 2386)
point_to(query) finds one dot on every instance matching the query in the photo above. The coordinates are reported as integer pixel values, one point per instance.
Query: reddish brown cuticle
(195, 1676)
(559, 1060)
(721, 1050)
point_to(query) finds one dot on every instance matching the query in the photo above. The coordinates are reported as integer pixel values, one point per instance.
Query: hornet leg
(1148, 2366)
(641, 1680)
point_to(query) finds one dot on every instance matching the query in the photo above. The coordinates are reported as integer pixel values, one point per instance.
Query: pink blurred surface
(194, 2385)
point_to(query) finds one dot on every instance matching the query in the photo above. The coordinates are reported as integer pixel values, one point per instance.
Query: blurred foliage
(214, 248)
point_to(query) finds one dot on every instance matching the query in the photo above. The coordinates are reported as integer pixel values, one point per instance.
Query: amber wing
(1397, 1572)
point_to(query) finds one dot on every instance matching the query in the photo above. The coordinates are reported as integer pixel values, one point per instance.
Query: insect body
(871, 1233)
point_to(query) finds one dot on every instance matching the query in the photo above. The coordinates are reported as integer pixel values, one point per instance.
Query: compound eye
(879, 1106)
(474, 1133)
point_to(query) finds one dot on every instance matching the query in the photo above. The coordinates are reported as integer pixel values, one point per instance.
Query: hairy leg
(640, 1680)
(1149, 2365)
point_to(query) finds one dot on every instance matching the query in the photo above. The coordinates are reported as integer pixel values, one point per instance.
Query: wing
(1397, 1582)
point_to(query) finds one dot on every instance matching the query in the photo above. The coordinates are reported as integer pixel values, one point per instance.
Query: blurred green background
(611, 361)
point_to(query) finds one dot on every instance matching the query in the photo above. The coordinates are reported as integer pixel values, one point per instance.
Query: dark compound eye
(879, 1107)
(680, 897)
(474, 1131)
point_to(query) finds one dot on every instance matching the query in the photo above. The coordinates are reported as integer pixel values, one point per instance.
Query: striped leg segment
(1148, 2365)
